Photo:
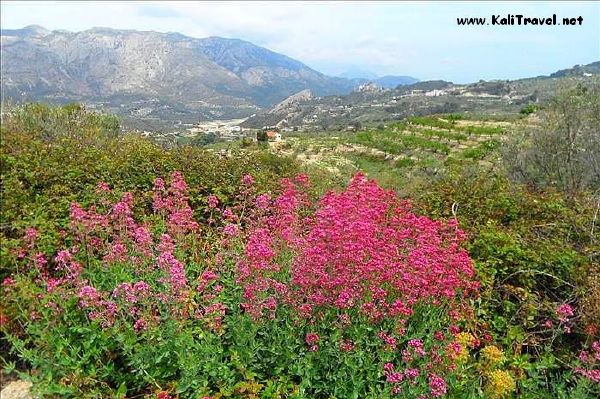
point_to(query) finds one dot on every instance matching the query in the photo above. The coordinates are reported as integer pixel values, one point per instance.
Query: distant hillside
(167, 75)
(391, 82)
(422, 98)
(429, 85)
(578, 70)
(387, 82)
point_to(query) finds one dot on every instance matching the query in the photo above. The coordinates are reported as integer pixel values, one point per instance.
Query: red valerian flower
(312, 338)
(361, 248)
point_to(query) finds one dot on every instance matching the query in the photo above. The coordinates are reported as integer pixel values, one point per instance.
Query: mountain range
(168, 81)
(155, 75)
(387, 82)
(375, 106)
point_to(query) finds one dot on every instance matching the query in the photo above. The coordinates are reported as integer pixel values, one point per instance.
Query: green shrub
(52, 156)
(482, 150)
(529, 109)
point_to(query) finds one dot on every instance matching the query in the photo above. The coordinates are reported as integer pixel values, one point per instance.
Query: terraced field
(401, 148)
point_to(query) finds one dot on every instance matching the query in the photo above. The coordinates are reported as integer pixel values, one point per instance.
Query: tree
(261, 135)
(51, 122)
(529, 109)
(204, 139)
(563, 150)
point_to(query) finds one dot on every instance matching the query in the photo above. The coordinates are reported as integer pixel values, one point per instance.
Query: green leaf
(122, 391)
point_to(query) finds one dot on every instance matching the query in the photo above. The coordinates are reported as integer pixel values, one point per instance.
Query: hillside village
(371, 105)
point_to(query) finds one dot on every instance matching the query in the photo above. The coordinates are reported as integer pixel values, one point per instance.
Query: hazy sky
(403, 38)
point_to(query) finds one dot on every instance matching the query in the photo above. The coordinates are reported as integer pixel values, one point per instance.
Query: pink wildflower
(247, 180)
(103, 187)
(564, 312)
(8, 281)
(437, 385)
(231, 230)
(312, 338)
(139, 325)
(262, 201)
(346, 345)
(417, 346)
(31, 236)
(88, 296)
(411, 373)
(40, 260)
(213, 201)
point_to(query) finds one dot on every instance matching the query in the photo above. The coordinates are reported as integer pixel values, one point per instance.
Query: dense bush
(42, 174)
(531, 251)
(563, 150)
(529, 109)
(49, 122)
(142, 301)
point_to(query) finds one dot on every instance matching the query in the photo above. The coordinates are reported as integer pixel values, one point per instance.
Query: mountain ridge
(376, 105)
(101, 63)
(170, 79)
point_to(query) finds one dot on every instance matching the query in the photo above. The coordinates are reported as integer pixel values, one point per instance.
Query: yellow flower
(492, 355)
(499, 384)
(465, 339)
(459, 349)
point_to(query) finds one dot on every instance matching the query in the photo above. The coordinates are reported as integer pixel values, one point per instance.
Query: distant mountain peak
(106, 65)
(28, 31)
(304, 95)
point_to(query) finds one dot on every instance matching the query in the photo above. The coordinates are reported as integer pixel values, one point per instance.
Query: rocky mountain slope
(165, 74)
(388, 81)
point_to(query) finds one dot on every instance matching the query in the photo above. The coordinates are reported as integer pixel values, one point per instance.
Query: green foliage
(443, 134)
(47, 122)
(404, 163)
(261, 135)
(201, 140)
(397, 143)
(482, 130)
(481, 151)
(530, 250)
(562, 151)
(529, 109)
(455, 117)
(52, 156)
(431, 121)
(435, 122)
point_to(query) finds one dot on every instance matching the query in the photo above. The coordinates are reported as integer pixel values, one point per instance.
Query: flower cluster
(590, 363)
(173, 202)
(312, 340)
(107, 236)
(492, 355)
(500, 384)
(564, 312)
(356, 258)
(360, 253)
(362, 249)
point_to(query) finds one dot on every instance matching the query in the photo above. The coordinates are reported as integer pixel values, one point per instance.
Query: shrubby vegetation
(395, 142)
(42, 173)
(563, 150)
(130, 270)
